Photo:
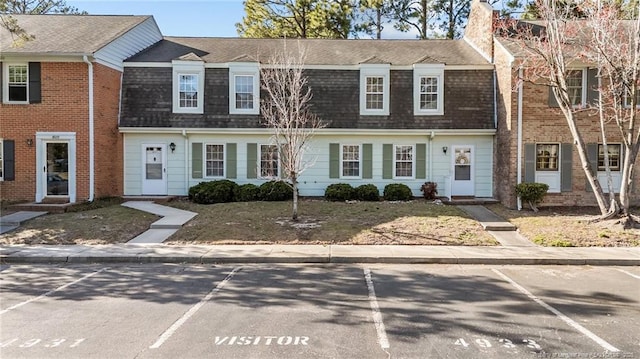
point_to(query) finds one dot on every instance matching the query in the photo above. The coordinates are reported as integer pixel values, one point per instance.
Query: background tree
(451, 15)
(410, 15)
(372, 15)
(296, 19)
(613, 46)
(37, 7)
(285, 110)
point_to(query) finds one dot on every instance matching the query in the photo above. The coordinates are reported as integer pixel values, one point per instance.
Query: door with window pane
(57, 168)
(154, 169)
(463, 165)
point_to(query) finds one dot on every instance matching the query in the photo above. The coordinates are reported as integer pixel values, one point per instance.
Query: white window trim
(428, 70)
(2, 160)
(276, 175)
(342, 161)
(550, 177)
(620, 158)
(188, 68)
(224, 160)
(583, 99)
(377, 70)
(5, 82)
(626, 99)
(244, 69)
(413, 161)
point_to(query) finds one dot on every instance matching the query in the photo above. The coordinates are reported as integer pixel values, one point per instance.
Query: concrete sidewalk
(159, 253)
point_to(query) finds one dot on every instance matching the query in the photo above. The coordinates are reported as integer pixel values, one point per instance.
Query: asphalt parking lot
(319, 311)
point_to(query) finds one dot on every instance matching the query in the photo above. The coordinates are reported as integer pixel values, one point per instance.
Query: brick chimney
(480, 27)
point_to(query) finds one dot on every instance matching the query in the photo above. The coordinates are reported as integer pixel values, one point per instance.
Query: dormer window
(428, 89)
(188, 86)
(244, 88)
(374, 89)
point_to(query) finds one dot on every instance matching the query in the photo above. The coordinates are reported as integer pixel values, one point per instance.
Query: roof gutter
(91, 131)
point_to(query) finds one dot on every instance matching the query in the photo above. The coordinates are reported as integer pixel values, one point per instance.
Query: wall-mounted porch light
(172, 146)
(29, 142)
(444, 149)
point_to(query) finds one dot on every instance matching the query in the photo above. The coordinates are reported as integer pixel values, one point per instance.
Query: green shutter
(367, 160)
(529, 162)
(232, 161)
(252, 160)
(566, 170)
(421, 161)
(196, 160)
(387, 161)
(334, 160)
(592, 154)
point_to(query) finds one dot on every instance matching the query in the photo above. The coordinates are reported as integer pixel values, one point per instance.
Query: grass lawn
(323, 222)
(568, 226)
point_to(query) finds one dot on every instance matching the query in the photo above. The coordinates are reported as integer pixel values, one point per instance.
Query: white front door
(154, 169)
(56, 168)
(462, 183)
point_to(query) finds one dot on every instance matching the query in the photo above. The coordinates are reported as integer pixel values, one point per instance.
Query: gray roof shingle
(68, 34)
(319, 51)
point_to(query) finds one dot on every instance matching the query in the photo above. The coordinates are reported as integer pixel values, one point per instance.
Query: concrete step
(498, 226)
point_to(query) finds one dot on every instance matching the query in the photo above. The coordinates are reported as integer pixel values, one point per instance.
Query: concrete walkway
(12, 221)
(503, 231)
(172, 220)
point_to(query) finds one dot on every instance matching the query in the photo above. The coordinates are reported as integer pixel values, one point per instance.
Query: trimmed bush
(397, 192)
(275, 191)
(368, 192)
(340, 192)
(247, 193)
(532, 193)
(429, 190)
(221, 191)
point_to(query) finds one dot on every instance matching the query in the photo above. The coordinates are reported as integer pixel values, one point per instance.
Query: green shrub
(339, 192)
(532, 193)
(397, 192)
(429, 190)
(368, 192)
(275, 191)
(221, 191)
(247, 193)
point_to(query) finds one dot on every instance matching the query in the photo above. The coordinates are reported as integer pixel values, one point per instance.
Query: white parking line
(178, 323)
(52, 291)
(377, 316)
(559, 314)
(629, 273)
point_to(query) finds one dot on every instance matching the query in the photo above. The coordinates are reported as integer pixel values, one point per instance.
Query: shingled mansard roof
(68, 34)
(319, 51)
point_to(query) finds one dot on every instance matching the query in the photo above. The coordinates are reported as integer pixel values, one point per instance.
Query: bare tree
(286, 111)
(557, 45)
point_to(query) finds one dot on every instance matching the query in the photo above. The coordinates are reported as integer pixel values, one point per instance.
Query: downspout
(519, 170)
(433, 134)
(186, 159)
(91, 130)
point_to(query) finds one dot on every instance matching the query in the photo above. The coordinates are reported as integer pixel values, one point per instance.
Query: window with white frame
(188, 86)
(403, 161)
(1, 161)
(428, 89)
(351, 155)
(627, 98)
(16, 83)
(374, 89)
(244, 89)
(269, 163)
(547, 157)
(576, 88)
(613, 152)
(214, 160)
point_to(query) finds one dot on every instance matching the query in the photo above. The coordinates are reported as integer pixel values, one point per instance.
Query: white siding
(129, 44)
(314, 181)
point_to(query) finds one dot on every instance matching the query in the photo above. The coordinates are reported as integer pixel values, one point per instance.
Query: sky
(199, 18)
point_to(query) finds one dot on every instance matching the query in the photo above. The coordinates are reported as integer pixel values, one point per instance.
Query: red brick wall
(542, 123)
(64, 108)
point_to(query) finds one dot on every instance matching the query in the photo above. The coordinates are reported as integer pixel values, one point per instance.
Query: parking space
(318, 311)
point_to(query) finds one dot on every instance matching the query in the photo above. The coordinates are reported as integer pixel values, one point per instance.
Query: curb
(316, 259)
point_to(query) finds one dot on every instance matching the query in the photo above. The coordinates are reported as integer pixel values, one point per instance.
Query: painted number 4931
(502, 343)
(47, 343)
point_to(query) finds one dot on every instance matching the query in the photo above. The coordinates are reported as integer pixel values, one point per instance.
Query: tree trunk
(294, 214)
(423, 19)
(378, 24)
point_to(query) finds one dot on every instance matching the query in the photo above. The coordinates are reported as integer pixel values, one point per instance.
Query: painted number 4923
(502, 343)
(47, 343)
